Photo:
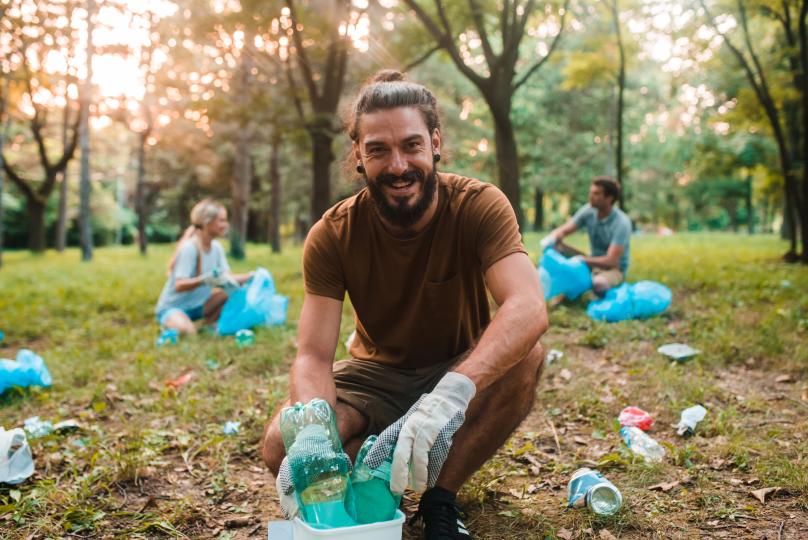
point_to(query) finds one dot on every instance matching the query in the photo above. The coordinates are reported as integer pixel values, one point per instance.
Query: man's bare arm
(517, 325)
(317, 335)
(608, 261)
(564, 230)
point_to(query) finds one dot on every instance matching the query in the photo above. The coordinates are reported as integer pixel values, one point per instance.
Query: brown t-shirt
(421, 300)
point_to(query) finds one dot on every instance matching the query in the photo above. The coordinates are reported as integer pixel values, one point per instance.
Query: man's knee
(600, 284)
(535, 362)
(272, 450)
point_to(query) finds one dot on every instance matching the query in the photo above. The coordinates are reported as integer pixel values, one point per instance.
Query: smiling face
(217, 227)
(396, 150)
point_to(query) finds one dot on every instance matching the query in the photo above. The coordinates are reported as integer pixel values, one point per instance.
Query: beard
(401, 213)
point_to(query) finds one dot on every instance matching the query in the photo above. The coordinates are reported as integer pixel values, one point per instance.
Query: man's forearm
(515, 329)
(310, 378)
(602, 261)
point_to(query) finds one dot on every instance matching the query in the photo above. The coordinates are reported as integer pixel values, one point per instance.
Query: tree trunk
(242, 174)
(140, 194)
(621, 85)
(3, 133)
(321, 157)
(36, 225)
(61, 220)
(750, 216)
(538, 203)
(84, 214)
(240, 190)
(507, 157)
(275, 196)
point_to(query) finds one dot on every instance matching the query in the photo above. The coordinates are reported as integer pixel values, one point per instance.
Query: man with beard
(417, 251)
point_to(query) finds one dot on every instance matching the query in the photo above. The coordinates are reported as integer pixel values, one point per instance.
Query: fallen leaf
(736, 481)
(665, 486)
(753, 480)
(182, 380)
(565, 374)
(784, 379)
(515, 493)
(239, 521)
(579, 440)
(606, 535)
(564, 534)
(761, 494)
(532, 488)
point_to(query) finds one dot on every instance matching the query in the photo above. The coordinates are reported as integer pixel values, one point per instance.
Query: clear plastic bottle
(690, 417)
(371, 487)
(641, 444)
(319, 466)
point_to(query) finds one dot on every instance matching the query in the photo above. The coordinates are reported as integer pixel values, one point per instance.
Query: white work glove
(228, 283)
(209, 279)
(286, 490)
(222, 281)
(425, 433)
(548, 241)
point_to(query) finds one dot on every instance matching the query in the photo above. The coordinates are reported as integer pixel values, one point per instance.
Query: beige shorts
(384, 393)
(613, 276)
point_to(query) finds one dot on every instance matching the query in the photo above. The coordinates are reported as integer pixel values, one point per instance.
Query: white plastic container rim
(383, 530)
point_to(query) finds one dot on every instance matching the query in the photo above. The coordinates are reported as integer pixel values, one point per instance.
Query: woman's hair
(202, 213)
(388, 90)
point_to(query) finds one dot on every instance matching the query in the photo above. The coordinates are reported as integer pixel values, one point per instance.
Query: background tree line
(699, 107)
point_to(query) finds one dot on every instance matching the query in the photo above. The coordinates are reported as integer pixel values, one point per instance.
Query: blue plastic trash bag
(254, 304)
(560, 275)
(650, 298)
(27, 370)
(631, 301)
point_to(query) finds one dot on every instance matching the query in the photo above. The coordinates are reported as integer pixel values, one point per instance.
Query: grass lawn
(151, 461)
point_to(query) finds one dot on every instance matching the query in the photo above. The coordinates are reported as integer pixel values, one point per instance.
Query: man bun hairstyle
(387, 89)
(610, 187)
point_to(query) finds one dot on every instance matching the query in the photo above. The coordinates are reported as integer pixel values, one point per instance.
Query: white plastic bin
(383, 530)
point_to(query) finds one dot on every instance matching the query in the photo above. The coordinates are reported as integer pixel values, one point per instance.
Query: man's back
(418, 300)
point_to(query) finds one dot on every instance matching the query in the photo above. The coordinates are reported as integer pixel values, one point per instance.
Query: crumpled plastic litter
(28, 369)
(690, 417)
(182, 380)
(678, 351)
(635, 417)
(16, 461)
(168, 336)
(553, 355)
(211, 364)
(231, 427)
(36, 428)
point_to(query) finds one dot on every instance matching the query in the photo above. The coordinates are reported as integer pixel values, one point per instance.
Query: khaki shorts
(613, 276)
(384, 393)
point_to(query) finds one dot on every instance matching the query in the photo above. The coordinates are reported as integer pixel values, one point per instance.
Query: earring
(436, 157)
(360, 169)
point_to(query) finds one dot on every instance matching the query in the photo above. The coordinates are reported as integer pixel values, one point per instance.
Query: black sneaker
(441, 517)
